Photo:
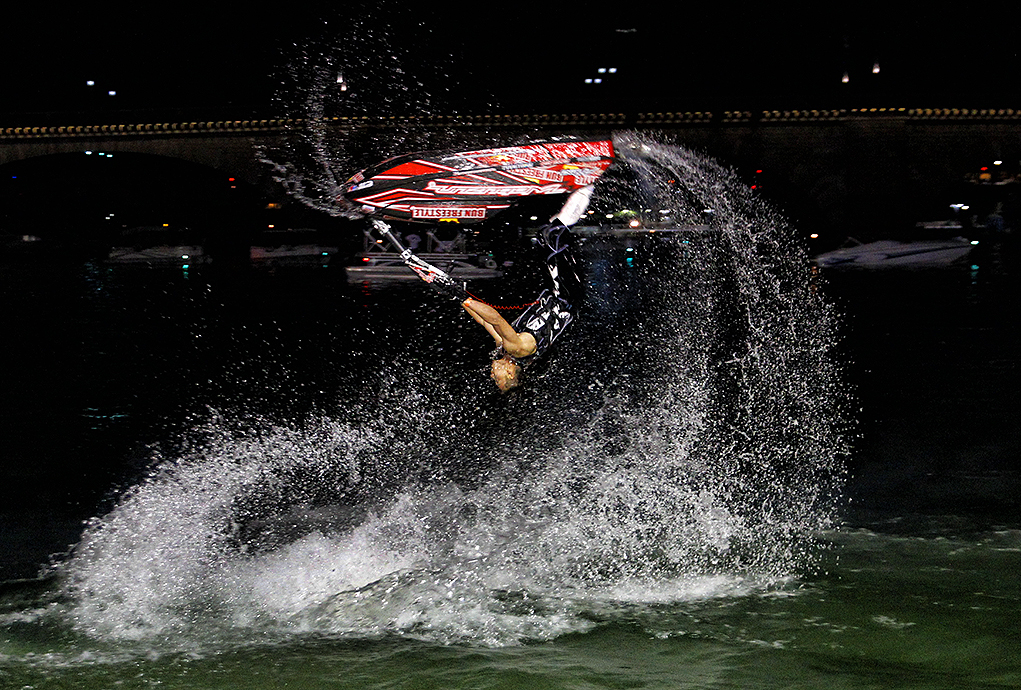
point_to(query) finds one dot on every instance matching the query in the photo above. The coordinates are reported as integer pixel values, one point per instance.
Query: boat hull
(890, 254)
(383, 267)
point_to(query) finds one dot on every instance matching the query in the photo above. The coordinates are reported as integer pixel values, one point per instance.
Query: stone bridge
(830, 167)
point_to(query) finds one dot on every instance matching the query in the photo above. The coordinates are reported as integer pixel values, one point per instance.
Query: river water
(736, 472)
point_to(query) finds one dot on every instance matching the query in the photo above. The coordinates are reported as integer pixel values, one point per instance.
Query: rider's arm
(467, 304)
(516, 344)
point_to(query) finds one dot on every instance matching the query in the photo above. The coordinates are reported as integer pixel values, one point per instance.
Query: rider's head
(506, 373)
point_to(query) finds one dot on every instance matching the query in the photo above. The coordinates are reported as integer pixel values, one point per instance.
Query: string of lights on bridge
(504, 120)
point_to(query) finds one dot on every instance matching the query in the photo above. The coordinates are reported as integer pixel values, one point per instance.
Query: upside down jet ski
(471, 186)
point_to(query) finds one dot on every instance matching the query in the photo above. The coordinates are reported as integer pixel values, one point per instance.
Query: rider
(532, 333)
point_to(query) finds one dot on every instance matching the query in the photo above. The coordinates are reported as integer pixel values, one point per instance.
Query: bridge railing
(595, 120)
(143, 129)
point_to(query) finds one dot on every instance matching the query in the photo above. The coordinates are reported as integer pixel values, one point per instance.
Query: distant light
(613, 70)
(588, 81)
(185, 256)
(111, 93)
(90, 83)
(602, 70)
(875, 68)
(635, 223)
(814, 235)
(845, 78)
(88, 153)
(974, 241)
(997, 162)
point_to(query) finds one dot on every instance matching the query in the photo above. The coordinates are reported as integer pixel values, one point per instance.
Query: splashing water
(692, 455)
(367, 71)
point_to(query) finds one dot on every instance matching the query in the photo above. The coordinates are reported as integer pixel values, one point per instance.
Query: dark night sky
(217, 61)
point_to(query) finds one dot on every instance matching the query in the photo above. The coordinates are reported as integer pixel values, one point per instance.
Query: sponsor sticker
(493, 190)
(452, 212)
(583, 179)
(536, 153)
(541, 174)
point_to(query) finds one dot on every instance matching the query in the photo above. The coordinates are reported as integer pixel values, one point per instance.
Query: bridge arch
(234, 156)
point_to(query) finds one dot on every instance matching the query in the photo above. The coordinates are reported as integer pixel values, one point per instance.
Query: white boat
(892, 253)
(158, 246)
(161, 255)
(292, 254)
(380, 260)
(636, 230)
(291, 247)
(389, 265)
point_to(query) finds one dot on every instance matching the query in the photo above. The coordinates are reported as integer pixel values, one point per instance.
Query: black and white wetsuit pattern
(545, 319)
(555, 239)
(550, 315)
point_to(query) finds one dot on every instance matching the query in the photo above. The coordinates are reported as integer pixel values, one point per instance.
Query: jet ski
(471, 186)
